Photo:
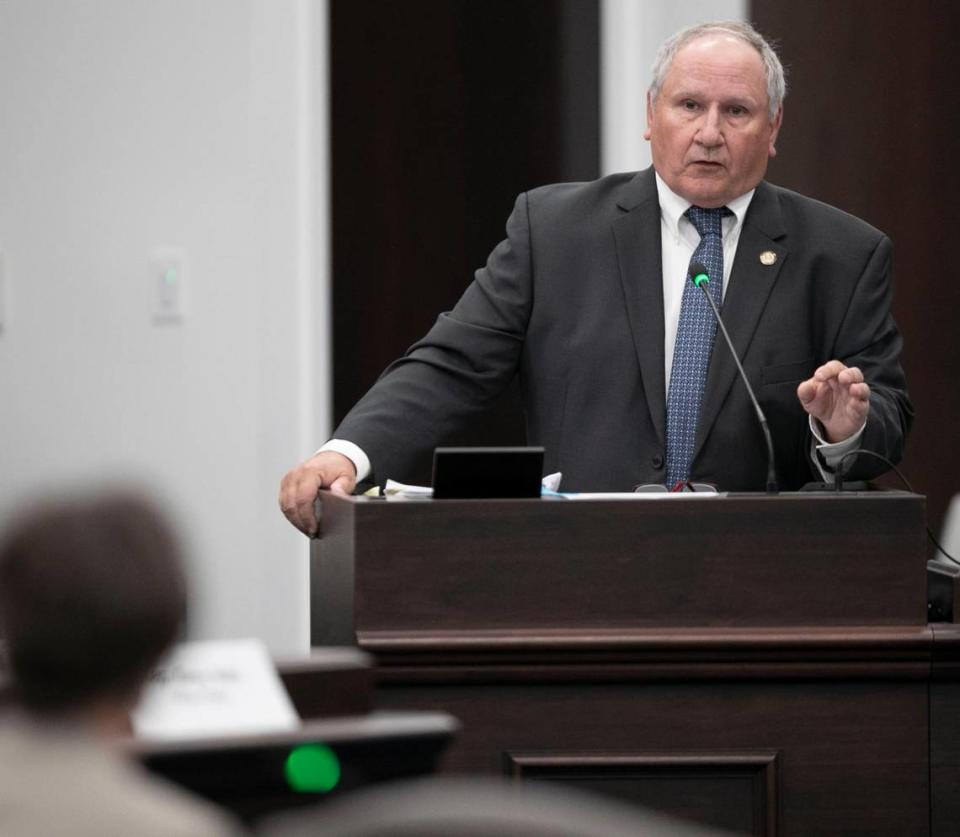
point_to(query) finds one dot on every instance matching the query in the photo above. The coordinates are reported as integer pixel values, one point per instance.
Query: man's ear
(775, 132)
(646, 133)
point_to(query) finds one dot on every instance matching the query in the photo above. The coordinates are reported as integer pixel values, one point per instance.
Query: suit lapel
(751, 283)
(637, 236)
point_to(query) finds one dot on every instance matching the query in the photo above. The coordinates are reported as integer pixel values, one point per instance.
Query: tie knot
(707, 221)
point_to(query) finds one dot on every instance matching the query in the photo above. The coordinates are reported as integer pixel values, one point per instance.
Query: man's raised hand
(838, 398)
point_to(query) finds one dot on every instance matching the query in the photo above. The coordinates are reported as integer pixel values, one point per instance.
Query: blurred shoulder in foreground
(477, 808)
(92, 593)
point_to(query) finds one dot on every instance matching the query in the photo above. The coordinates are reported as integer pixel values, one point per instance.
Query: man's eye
(689, 104)
(736, 110)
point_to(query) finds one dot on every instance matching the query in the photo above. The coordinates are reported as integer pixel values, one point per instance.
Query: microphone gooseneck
(701, 278)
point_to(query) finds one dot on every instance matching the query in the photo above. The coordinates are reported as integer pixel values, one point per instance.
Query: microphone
(700, 278)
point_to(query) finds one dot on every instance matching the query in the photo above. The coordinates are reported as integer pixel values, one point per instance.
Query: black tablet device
(487, 472)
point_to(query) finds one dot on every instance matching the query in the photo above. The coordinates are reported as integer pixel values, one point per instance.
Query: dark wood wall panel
(945, 757)
(853, 756)
(734, 790)
(872, 126)
(442, 112)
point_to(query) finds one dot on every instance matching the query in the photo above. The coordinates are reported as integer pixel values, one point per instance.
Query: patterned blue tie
(691, 354)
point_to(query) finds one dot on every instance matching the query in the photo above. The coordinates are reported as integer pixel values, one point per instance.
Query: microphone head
(699, 274)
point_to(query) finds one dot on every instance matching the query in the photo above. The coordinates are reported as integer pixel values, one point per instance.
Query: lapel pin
(768, 257)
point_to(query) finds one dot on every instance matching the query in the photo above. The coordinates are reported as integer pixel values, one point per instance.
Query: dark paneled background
(872, 125)
(443, 110)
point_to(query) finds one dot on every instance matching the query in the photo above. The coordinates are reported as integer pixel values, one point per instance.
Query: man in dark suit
(588, 300)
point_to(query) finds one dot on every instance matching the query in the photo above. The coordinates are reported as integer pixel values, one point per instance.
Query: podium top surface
(740, 560)
(637, 498)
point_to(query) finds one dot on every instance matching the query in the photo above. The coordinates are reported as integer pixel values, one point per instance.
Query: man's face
(710, 130)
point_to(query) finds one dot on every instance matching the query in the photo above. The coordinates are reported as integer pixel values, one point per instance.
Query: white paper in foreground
(214, 688)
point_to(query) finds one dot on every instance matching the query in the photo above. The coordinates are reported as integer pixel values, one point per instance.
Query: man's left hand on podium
(299, 488)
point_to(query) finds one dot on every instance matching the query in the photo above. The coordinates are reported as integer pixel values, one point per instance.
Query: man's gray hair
(773, 69)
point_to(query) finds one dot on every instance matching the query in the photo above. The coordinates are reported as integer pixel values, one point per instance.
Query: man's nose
(709, 133)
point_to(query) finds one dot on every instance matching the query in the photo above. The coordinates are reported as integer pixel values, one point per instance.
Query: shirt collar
(672, 206)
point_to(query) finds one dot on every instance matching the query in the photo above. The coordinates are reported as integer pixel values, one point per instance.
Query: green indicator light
(170, 276)
(312, 768)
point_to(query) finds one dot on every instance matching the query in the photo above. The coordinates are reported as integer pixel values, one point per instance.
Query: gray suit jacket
(56, 779)
(572, 300)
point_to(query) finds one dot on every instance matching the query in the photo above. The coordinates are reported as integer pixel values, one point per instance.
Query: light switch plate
(169, 284)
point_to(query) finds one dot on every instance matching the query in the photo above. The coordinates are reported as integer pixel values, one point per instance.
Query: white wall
(131, 124)
(630, 33)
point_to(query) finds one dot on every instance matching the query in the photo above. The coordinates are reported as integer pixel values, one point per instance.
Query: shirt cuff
(830, 453)
(348, 449)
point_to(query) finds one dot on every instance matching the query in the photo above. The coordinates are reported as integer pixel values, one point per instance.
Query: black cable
(838, 485)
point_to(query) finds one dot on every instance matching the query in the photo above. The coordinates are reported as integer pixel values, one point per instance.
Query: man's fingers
(344, 485)
(297, 493)
(807, 391)
(858, 403)
(287, 499)
(829, 370)
(836, 370)
(850, 375)
(299, 488)
(860, 392)
(814, 395)
(305, 501)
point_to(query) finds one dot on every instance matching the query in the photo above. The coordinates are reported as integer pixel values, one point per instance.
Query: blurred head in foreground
(92, 593)
(475, 807)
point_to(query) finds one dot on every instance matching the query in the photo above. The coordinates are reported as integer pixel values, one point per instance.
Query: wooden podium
(762, 664)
